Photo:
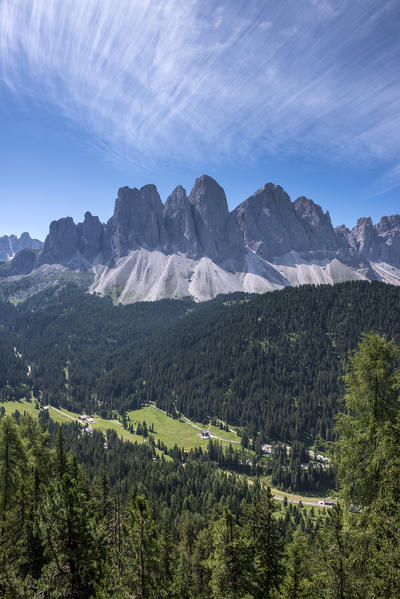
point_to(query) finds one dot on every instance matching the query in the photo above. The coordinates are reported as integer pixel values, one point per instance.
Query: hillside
(269, 363)
(88, 518)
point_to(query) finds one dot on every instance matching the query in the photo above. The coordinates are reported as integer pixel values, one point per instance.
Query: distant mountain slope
(11, 245)
(269, 362)
(193, 246)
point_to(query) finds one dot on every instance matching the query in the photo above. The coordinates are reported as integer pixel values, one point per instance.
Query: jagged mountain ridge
(10, 245)
(193, 246)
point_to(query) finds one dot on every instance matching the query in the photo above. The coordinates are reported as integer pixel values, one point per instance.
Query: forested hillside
(271, 363)
(81, 520)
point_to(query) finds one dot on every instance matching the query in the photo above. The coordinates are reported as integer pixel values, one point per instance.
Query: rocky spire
(317, 224)
(179, 224)
(269, 223)
(137, 220)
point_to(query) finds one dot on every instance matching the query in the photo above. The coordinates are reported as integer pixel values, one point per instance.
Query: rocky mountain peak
(388, 224)
(209, 200)
(192, 245)
(90, 236)
(388, 234)
(176, 200)
(179, 224)
(137, 220)
(275, 191)
(61, 243)
(26, 238)
(317, 224)
(10, 245)
(311, 211)
(364, 222)
(269, 223)
(210, 216)
(363, 236)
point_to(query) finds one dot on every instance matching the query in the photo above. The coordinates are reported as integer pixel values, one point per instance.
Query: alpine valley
(193, 246)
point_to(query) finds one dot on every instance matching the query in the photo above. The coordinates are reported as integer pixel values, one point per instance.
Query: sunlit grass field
(172, 431)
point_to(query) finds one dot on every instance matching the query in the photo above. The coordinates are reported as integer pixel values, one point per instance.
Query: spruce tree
(267, 545)
(230, 561)
(296, 584)
(367, 430)
(71, 540)
(13, 462)
(140, 551)
(367, 458)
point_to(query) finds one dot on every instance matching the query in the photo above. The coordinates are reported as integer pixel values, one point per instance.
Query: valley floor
(171, 431)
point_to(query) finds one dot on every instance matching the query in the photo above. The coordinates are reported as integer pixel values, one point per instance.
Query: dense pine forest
(81, 519)
(271, 364)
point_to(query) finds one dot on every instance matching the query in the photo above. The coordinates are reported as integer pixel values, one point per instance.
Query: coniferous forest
(270, 363)
(80, 520)
(85, 518)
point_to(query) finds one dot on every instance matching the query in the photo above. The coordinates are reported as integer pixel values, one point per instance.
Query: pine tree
(230, 562)
(166, 555)
(201, 554)
(140, 551)
(367, 457)
(61, 462)
(383, 536)
(267, 545)
(296, 584)
(367, 429)
(13, 461)
(71, 540)
(332, 564)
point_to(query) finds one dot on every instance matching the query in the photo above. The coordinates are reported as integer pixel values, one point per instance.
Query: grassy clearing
(171, 431)
(103, 425)
(167, 429)
(294, 497)
(67, 416)
(22, 406)
(100, 424)
(215, 430)
(61, 418)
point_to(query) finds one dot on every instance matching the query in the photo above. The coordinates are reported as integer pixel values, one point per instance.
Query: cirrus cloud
(152, 80)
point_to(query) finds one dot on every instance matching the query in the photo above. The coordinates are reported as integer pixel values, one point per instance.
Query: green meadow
(169, 430)
(21, 406)
(181, 432)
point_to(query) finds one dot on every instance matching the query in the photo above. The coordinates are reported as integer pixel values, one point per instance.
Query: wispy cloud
(182, 80)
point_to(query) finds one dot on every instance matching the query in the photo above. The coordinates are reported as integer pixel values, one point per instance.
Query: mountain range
(11, 245)
(193, 246)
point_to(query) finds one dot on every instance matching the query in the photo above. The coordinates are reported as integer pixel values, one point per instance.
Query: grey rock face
(365, 242)
(179, 224)
(342, 234)
(137, 220)
(269, 223)
(216, 234)
(388, 236)
(296, 238)
(91, 237)
(11, 245)
(22, 263)
(317, 224)
(62, 242)
(363, 238)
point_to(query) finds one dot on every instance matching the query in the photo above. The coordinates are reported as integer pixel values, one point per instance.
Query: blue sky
(96, 94)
